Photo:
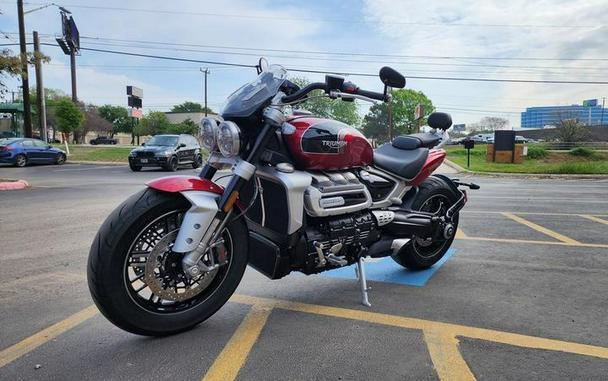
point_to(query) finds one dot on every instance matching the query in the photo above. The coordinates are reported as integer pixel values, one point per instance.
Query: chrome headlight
(229, 139)
(209, 131)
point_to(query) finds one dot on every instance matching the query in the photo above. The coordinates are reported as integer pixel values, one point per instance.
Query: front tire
(111, 261)
(434, 196)
(20, 160)
(135, 168)
(172, 165)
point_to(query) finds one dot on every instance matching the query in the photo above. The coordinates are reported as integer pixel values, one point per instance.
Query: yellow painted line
(27, 345)
(594, 218)
(460, 234)
(446, 357)
(541, 229)
(527, 241)
(232, 358)
(455, 330)
(473, 211)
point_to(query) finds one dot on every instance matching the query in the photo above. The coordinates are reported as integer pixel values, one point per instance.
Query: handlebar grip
(372, 95)
(302, 92)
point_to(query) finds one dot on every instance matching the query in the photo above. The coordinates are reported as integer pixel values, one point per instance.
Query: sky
(539, 40)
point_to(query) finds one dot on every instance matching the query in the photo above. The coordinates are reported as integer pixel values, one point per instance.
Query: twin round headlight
(226, 136)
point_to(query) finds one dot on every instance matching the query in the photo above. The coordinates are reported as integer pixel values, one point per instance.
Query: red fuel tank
(325, 144)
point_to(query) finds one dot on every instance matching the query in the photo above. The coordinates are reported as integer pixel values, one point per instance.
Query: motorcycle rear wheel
(133, 232)
(434, 196)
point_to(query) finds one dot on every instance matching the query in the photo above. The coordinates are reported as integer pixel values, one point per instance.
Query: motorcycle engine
(348, 233)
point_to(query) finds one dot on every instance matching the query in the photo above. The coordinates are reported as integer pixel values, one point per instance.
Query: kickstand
(360, 272)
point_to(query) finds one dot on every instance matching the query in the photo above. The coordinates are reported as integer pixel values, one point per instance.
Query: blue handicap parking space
(386, 270)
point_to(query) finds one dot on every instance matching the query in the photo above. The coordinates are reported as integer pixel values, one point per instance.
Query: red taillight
(5, 148)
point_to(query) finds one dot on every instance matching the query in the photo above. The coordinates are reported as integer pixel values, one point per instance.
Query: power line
(332, 53)
(164, 47)
(316, 19)
(343, 72)
(317, 52)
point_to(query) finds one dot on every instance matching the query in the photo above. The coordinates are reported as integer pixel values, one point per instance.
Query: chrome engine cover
(335, 193)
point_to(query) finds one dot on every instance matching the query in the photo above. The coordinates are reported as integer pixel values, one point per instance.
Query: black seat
(413, 141)
(404, 162)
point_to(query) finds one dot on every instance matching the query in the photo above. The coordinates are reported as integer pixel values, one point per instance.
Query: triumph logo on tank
(334, 144)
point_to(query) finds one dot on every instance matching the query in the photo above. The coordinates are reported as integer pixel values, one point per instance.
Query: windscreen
(161, 140)
(250, 97)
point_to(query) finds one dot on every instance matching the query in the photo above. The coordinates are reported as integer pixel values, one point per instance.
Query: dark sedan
(168, 152)
(23, 151)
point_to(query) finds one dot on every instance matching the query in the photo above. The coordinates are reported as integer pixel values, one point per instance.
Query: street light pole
(25, 83)
(206, 72)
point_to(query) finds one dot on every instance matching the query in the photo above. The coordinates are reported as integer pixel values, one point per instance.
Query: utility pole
(27, 108)
(206, 72)
(40, 90)
(73, 71)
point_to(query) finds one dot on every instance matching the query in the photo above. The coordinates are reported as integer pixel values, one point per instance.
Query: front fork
(243, 171)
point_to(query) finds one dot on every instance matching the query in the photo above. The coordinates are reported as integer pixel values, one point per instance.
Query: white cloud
(493, 41)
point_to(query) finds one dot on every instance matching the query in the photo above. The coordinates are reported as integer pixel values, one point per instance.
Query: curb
(14, 185)
(526, 175)
(95, 162)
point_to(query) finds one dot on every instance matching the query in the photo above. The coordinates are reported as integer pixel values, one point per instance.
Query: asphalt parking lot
(524, 295)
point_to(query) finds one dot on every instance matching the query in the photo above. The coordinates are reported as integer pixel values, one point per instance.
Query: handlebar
(347, 87)
(303, 91)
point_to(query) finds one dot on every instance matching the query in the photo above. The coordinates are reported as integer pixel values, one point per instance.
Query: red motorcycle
(305, 194)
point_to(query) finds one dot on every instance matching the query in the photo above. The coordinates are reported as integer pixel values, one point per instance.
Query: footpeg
(336, 260)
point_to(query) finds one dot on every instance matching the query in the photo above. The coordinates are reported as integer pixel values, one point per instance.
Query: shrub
(536, 152)
(582, 151)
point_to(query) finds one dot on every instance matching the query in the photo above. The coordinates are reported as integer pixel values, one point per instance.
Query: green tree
(69, 117)
(375, 122)
(190, 107)
(118, 116)
(324, 107)
(185, 127)
(10, 65)
(155, 122)
(404, 102)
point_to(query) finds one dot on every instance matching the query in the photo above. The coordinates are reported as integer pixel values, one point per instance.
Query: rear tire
(414, 255)
(60, 159)
(198, 161)
(108, 259)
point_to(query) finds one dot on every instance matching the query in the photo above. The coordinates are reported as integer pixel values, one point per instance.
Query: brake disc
(165, 277)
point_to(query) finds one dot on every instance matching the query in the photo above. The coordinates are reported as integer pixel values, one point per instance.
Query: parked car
(7, 134)
(520, 139)
(23, 151)
(168, 152)
(103, 140)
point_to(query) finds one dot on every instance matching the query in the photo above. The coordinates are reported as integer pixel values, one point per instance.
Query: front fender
(203, 194)
(174, 184)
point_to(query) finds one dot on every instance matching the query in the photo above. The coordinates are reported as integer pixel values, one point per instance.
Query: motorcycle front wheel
(137, 281)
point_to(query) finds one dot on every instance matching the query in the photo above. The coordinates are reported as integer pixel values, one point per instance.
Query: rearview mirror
(392, 78)
(143, 144)
(181, 145)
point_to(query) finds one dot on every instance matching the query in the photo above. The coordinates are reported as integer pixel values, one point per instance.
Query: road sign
(136, 113)
(135, 92)
(590, 103)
